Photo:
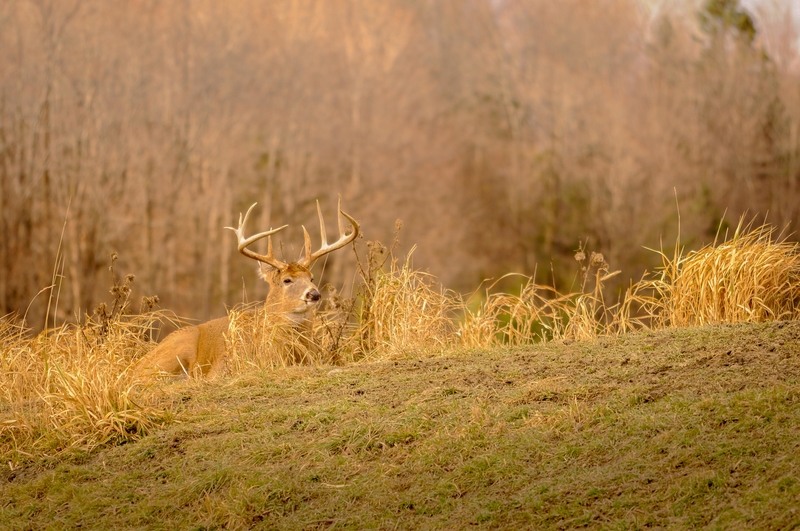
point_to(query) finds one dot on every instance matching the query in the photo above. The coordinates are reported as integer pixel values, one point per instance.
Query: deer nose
(313, 295)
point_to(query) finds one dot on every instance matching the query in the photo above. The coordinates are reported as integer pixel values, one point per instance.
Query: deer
(200, 351)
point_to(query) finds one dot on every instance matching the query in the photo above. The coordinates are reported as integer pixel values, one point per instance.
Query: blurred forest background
(502, 132)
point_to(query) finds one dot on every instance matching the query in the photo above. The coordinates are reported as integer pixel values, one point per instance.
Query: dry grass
(750, 277)
(541, 313)
(71, 387)
(259, 340)
(403, 311)
(503, 318)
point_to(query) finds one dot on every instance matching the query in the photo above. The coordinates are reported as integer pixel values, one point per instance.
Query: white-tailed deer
(200, 350)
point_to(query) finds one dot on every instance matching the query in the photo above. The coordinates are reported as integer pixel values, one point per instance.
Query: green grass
(679, 429)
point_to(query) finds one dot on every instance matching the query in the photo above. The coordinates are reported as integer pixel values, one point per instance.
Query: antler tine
(306, 247)
(323, 233)
(269, 258)
(343, 240)
(322, 223)
(339, 216)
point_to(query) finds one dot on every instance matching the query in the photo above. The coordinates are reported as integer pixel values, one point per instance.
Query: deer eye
(287, 280)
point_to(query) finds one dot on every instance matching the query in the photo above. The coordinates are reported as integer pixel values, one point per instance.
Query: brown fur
(200, 350)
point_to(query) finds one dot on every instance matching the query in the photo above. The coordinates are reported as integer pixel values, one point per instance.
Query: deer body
(190, 351)
(200, 350)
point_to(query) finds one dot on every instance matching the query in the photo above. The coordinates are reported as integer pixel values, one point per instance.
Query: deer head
(292, 292)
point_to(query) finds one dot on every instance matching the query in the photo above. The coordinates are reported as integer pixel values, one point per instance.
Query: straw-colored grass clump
(71, 387)
(748, 278)
(403, 311)
(260, 340)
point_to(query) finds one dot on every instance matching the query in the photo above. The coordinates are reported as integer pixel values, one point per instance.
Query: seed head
(150, 302)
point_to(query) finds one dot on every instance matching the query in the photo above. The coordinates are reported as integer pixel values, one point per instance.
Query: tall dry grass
(541, 313)
(71, 387)
(259, 340)
(403, 311)
(751, 277)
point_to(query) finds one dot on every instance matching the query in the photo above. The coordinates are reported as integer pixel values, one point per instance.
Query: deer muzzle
(312, 295)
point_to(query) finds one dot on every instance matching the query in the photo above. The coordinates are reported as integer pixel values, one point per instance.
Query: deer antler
(309, 258)
(269, 259)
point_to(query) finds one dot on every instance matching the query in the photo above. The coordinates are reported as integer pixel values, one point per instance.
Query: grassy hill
(682, 428)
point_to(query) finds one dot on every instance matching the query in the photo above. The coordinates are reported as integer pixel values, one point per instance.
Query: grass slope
(685, 428)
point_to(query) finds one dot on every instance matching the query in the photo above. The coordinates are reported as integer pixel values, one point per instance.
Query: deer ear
(266, 271)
